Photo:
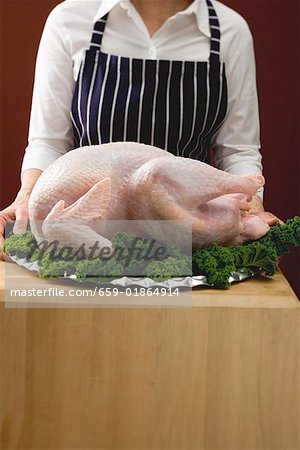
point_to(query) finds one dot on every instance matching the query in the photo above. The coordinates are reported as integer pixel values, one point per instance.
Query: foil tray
(200, 280)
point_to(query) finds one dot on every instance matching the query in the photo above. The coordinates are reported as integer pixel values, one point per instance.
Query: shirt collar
(104, 7)
(198, 7)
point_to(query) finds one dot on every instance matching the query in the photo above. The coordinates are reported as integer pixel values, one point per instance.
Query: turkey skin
(124, 181)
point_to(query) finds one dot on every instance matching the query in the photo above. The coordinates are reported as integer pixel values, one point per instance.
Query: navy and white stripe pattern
(174, 105)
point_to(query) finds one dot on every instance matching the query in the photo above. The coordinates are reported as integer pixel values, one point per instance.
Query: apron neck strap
(215, 33)
(98, 32)
(214, 26)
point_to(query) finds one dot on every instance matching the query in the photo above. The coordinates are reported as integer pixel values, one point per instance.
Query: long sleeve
(237, 142)
(50, 129)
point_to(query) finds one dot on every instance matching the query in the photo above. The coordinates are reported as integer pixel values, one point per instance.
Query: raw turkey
(91, 186)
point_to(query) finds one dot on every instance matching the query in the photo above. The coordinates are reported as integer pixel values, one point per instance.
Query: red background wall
(274, 24)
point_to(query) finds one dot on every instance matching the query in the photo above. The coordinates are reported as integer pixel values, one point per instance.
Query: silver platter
(194, 281)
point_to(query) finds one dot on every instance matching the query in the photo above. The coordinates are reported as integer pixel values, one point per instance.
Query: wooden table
(221, 374)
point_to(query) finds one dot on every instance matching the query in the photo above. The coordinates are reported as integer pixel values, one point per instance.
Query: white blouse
(184, 36)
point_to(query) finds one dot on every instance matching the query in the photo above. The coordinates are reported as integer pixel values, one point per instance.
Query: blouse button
(152, 52)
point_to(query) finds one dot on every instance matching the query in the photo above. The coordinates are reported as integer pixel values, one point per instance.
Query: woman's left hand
(257, 208)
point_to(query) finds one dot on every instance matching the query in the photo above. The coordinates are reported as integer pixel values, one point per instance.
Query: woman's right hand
(18, 211)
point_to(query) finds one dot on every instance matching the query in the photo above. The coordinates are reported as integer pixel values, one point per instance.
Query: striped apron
(174, 105)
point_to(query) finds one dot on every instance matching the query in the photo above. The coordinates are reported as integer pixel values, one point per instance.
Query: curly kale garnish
(283, 237)
(22, 245)
(169, 268)
(217, 263)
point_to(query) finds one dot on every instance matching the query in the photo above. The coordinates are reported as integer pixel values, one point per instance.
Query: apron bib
(173, 105)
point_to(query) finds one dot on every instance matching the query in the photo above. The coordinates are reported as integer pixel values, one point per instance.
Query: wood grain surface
(222, 374)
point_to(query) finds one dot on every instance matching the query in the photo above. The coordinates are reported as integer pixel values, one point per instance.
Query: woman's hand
(18, 211)
(257, 208)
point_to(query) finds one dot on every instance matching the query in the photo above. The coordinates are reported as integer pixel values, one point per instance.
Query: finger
(21, 220)
(2, 227)
(267, 217)
(271, 220)
(5, 216)
(3, 256)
